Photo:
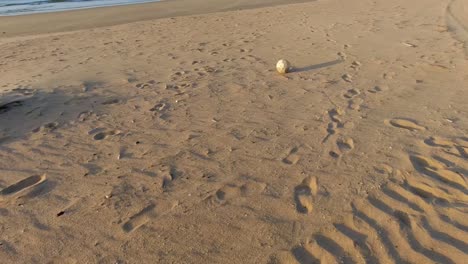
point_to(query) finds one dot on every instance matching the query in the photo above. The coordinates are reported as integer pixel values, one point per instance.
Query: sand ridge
(139, 144)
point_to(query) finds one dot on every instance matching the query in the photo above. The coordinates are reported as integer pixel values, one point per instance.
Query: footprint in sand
(342, 55)
(167, 174)
(227, 192)
(111, 101)
(231, 191)
(334, 154)
(355, 104)
(347, 78)
(292, 157)
(406, 124)
(351, 93)
(49, 127)
(139, 219)
(21, 186)
(145, 84)
(355, 65)
(105, 134)
(377, 89)
(304, 194)
(335, 114)
(345, 144)
(331, 128)
(159, 107)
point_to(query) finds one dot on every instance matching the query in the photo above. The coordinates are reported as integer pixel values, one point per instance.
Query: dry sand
(106, 16)
(175, 141)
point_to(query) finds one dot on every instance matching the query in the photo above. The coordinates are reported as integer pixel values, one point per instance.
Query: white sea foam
(18, 7)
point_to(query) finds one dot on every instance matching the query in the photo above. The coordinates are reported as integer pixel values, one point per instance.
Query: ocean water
(19, 7)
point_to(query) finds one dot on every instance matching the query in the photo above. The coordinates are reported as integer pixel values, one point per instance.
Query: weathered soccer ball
(283, 66)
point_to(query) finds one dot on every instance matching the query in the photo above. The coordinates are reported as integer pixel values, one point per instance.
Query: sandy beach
(162, 133)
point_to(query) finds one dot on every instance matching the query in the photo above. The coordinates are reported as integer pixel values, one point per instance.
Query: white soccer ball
(283, 66)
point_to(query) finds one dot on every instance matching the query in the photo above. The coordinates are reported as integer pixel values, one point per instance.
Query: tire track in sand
(419, 216)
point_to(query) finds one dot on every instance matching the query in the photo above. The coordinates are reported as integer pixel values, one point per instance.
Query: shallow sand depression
(175, 140)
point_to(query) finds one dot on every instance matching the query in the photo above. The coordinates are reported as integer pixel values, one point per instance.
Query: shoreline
(55, 10)
(71, 20)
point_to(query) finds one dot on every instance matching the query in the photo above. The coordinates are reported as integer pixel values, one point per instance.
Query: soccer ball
(283, 66)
